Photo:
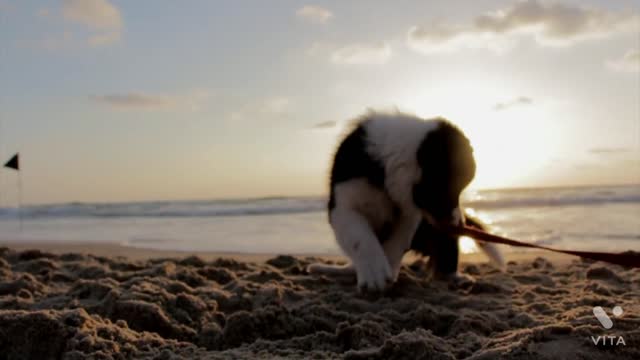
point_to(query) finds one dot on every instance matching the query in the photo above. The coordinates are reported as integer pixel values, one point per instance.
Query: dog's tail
(491, 250)
(320, 268)
(493, 253)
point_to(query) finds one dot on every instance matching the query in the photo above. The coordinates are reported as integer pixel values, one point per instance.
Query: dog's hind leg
(443, 252)
(445, 256)
(441, 248)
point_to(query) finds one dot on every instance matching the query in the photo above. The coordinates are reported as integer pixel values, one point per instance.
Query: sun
(510, 145)
(509, 151)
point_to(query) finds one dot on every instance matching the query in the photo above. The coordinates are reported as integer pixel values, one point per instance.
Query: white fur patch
(359, 209)
(394, 139)
(369, 201)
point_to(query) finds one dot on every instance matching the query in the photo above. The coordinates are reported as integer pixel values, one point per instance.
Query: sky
(113, 100)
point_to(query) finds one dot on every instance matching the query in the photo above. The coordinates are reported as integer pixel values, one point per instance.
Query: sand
(73, 305)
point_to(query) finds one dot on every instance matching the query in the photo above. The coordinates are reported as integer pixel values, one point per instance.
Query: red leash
(627, 258)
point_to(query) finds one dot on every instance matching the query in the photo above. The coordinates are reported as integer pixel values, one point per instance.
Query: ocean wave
(481, 200)
(180, 209)
(552, 197)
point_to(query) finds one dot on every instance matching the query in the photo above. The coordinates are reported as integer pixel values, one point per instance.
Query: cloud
(325, 125)
(268, 107)
(97, 14)
(550, 24)
(370, 54)
(43, 13)
(555, 22)
(100, 17)
(276, 105)
(521, 100)
(130, 101)
(314, 14)
(609, 150)
(134, 100)
(441, 38)
(629, 62)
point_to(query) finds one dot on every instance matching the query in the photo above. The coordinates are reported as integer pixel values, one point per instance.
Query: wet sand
(80, 301)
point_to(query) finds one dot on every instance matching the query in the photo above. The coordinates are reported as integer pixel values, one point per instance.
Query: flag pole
(1, 155)
(14, 163)
(20, 200)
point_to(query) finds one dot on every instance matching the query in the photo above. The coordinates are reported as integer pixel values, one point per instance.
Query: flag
(14, 162)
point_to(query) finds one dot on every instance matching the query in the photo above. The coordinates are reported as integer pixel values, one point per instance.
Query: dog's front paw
(375, 276)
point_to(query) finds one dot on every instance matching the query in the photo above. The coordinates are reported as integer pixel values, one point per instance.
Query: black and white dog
(396, 179)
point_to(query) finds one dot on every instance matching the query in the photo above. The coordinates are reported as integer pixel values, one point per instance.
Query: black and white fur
(392, 173)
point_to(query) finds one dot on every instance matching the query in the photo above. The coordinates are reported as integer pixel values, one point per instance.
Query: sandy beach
(170, 170)
(89, 301)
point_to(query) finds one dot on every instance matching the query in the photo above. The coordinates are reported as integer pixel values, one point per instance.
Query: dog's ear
(463, 160)
(446, 158)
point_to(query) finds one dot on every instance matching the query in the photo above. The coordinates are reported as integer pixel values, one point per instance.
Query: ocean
(604, 218)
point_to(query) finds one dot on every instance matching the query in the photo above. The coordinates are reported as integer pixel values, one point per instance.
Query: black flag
(14, 162)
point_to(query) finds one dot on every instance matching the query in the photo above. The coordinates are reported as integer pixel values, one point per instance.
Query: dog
(395, 181)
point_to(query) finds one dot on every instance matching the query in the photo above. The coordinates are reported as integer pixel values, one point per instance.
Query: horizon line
(270, 197)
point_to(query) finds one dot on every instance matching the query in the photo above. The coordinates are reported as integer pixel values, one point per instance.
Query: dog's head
(445, 157)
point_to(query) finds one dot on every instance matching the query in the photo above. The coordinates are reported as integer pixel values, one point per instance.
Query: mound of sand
(74, 306)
